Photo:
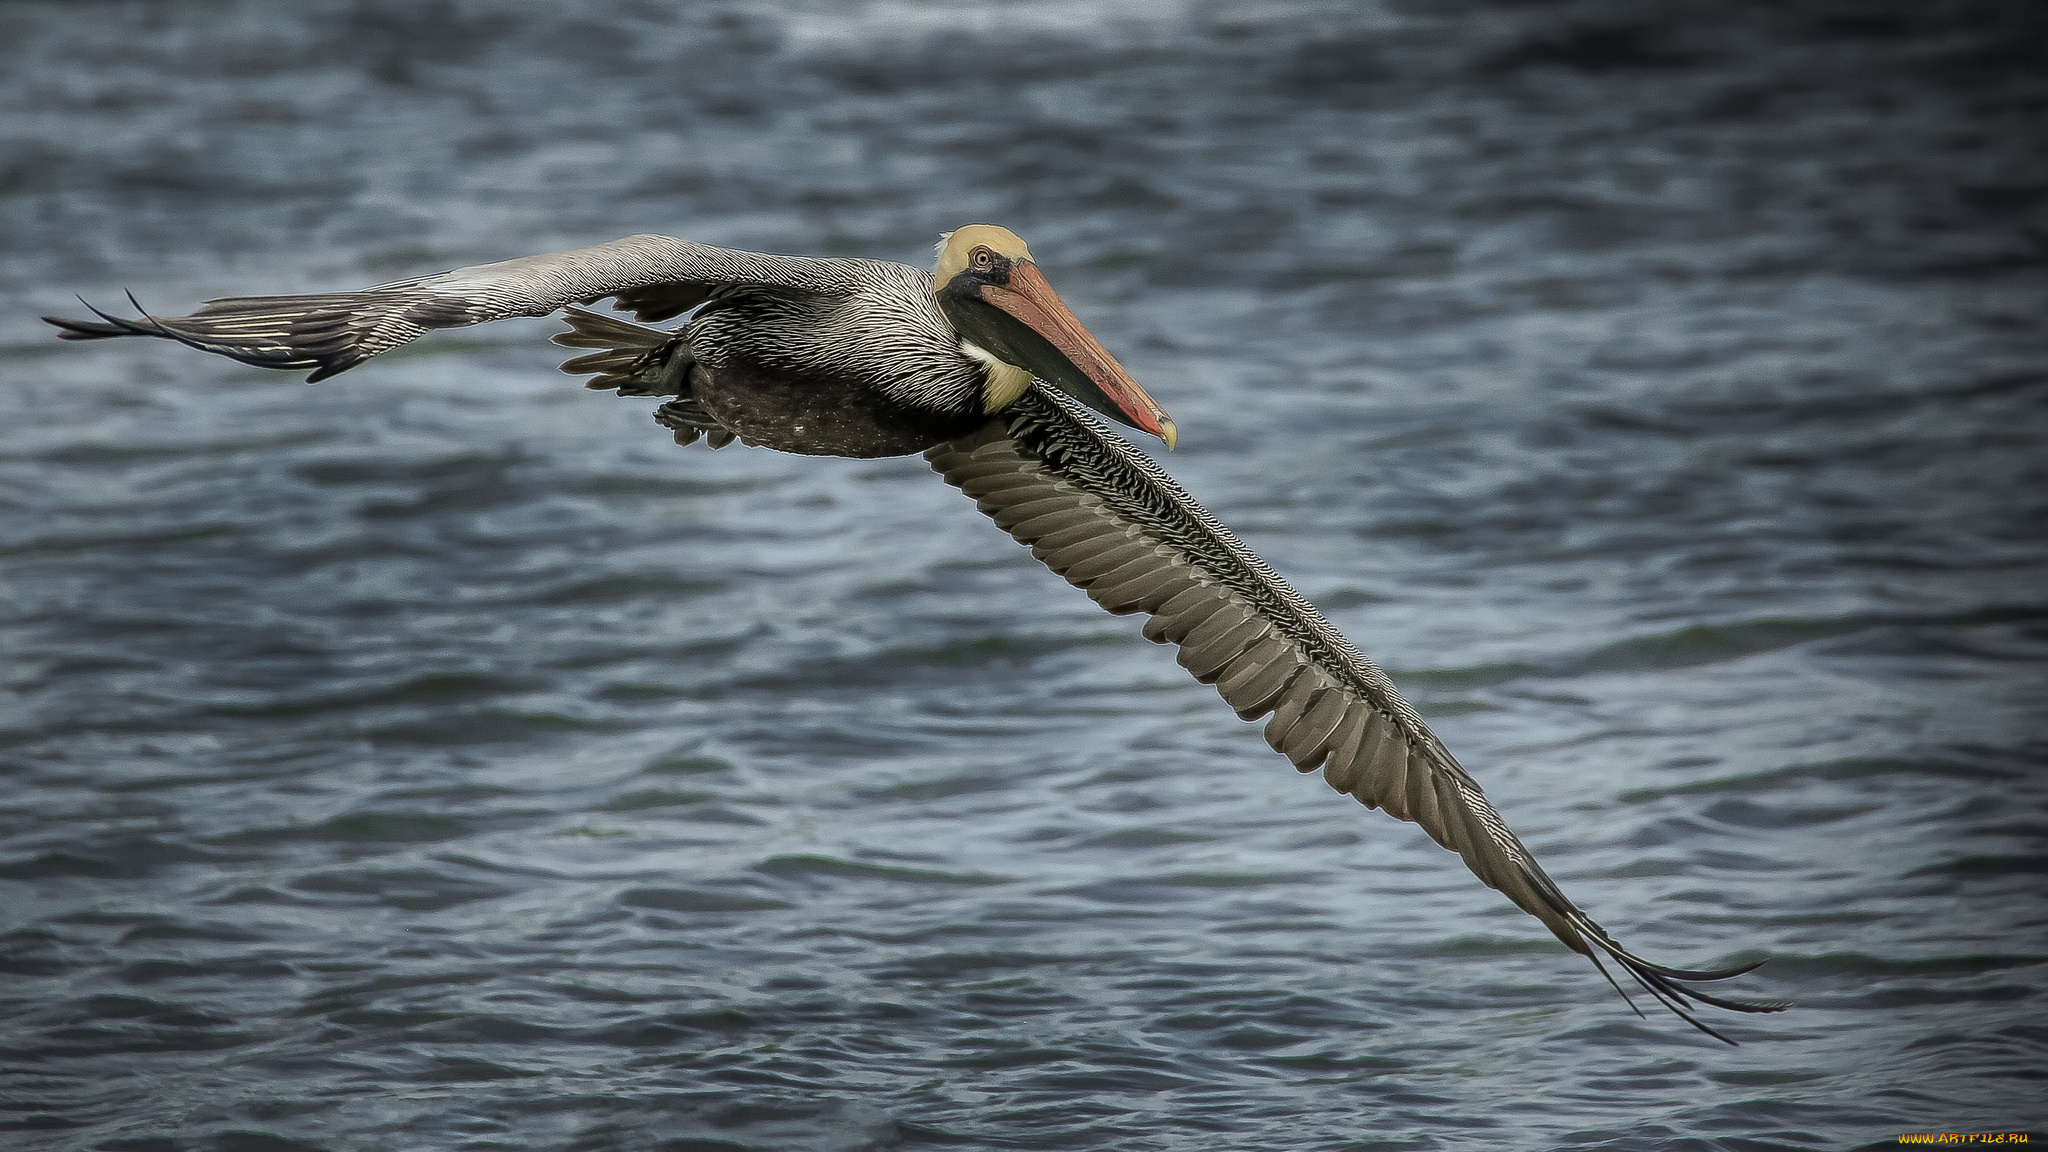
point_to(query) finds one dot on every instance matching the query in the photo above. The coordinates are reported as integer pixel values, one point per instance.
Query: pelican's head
(1006, 314)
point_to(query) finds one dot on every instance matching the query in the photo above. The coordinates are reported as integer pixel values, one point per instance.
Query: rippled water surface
(440, 758)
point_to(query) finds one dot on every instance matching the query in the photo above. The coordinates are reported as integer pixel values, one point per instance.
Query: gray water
(441, 758)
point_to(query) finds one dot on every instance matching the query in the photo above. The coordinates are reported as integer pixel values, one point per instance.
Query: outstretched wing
(655, 277)
(1105, 517)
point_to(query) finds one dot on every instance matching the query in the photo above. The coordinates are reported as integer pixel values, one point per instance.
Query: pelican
(981, 367)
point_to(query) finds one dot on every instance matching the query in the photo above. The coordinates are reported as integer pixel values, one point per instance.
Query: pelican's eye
(982, 258)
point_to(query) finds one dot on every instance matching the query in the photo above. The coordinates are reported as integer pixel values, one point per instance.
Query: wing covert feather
(1104, 516)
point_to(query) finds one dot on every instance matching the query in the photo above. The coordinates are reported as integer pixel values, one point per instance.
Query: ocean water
(441, 758)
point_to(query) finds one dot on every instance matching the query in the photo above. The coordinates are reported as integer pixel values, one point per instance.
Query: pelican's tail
(642, 361)
(636, 360)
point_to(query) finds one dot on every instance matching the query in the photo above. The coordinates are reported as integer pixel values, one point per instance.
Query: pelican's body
(831, 374)
(978, 365)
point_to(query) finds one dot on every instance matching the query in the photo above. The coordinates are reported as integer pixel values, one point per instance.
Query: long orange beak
(1033, 303)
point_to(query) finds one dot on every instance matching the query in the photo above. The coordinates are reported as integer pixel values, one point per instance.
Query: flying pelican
(979, 366)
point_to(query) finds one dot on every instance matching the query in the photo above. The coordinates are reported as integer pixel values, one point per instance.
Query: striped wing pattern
(1112, 523)
(654, 276)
